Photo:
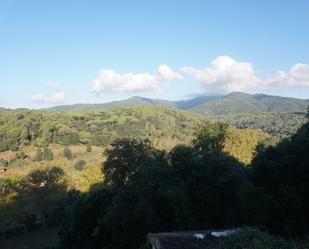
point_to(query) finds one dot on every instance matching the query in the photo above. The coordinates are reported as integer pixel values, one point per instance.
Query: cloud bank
(56, 98)
(225, 75)
(109, 80)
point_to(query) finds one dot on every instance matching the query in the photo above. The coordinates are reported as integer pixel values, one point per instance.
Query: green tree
(39, 155)
(13, 146)
(88, 147)
(210, 138)
(4, 145)
(48, 154)
(67, 153)
(283, 171)
(79, 165)
(125, 158)
(42, 189)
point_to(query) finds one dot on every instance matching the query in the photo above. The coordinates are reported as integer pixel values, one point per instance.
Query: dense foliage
(283, 173)
(279, 125)
(193, 187)
(24, 127)
(200, 184)
(163, 126)
(27, 202)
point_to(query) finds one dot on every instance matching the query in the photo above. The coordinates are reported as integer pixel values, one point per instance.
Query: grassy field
(78, 179)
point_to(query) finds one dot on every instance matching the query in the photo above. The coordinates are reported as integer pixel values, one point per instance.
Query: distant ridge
(235, 102)
(238, 102)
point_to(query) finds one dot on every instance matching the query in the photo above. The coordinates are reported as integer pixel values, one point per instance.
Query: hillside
(236, 102)
(50, 169)
(276, 124)
(133, 101)
(165, 127)
(162, 125)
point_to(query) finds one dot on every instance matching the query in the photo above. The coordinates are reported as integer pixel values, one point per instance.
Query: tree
(42, 189)
(4, 145)
(88, 147)
(80, 165)
(39, 155)
(125, 158)
(140, 176)
(210, 138)
(67, 153)
(283, 171)
(26, 202)
(13, 147)
(83, 226)
(48, 154)
(67, 135)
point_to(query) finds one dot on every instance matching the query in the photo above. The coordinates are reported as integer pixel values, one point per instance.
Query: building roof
(188, 239)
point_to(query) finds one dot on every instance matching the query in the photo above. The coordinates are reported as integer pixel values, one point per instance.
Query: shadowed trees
(196, 186)
(27, 202)
(283, 171)
(192, 187)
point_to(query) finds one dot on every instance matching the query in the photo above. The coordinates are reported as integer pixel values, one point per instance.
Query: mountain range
(235, 102)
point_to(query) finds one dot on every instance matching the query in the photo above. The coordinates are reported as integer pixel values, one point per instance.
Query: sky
(56, 52)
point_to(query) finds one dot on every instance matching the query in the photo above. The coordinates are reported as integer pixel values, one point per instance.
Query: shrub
(48, 154)
(13, 147)
(20, 155)
(39, 155)
(67, 153)
(80, 165)
(89, 148)
(4, 145)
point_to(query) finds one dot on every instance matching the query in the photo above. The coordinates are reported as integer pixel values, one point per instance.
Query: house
(187, 239)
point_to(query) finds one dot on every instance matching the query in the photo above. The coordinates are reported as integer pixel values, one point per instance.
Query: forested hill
(25, 127)
(274, 123)
(164, 126)
(235, 102)
(134, 101)
(238, 102)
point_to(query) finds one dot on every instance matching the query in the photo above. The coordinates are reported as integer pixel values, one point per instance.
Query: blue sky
(62, 52)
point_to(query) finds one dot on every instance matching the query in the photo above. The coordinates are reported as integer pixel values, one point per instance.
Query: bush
(48, 154)
(13, 147)
(39, 155)
(21, 155)
(80, 165)
(4, 145)
(67, 153)
(89, 148)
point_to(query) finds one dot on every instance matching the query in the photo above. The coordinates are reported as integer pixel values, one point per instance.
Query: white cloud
(109, 80)
(226, 75)
(57, 97)
(166, 73)
(297, 76)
